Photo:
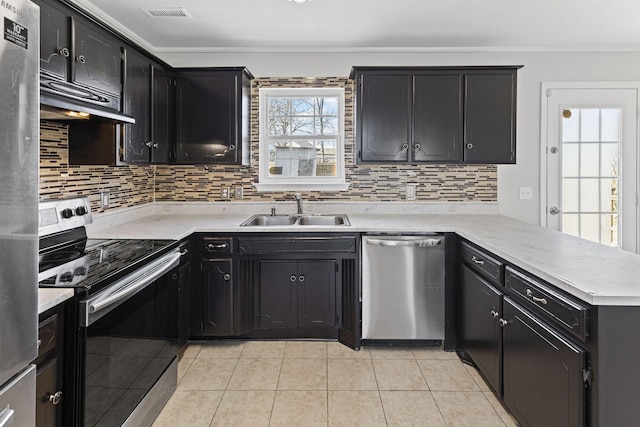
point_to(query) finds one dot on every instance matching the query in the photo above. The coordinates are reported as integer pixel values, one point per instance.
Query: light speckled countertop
(593, 273)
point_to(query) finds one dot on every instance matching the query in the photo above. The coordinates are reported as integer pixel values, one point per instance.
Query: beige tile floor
(311, 383)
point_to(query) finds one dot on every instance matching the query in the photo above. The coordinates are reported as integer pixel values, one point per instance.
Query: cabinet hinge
(548, 93)
(587, 377)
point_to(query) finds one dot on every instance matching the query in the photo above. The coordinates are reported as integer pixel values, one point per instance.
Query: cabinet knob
(64, 52)
(232, 147)
(405, 146)
(301, 278)
(81, 59)
(151, 144)
(55, 398)
(494, 313)
(293, 278)
(502, 322)
(226, 276)
(469, 146)
(417, 146)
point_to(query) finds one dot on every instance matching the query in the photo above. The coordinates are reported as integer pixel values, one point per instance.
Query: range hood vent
(167, 12)
(59, 108)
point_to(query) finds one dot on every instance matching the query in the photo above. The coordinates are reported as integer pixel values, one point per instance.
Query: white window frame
(312, 183)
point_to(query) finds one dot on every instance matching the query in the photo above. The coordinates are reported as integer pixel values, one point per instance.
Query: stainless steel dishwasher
(403, 287)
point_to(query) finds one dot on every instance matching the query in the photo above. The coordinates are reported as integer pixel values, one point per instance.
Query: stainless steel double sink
(296, 220)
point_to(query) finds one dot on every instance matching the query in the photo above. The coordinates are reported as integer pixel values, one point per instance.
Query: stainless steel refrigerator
(19, 135)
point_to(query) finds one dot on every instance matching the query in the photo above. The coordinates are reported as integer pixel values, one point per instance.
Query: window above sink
(302, 139)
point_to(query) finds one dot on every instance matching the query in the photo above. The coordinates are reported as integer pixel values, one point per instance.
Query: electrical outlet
(526, 193)
(224, 192)
(238, 193)
(411, 191)
(104, 199)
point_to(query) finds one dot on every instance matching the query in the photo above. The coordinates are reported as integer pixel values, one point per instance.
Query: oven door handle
(128, 286)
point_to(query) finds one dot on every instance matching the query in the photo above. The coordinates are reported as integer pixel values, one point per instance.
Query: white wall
(538, 67)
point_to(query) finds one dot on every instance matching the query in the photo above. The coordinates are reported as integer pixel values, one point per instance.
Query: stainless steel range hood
(57, 107)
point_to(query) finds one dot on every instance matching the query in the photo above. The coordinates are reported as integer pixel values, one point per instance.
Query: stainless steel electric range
(123, 327)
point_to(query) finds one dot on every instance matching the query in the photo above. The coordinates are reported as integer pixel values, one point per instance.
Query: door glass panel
(570, 159)
(590, 160)
(590, 153)
(571, 224)
(589, 124)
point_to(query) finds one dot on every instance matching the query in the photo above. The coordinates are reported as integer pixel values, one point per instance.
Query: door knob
(553, 210)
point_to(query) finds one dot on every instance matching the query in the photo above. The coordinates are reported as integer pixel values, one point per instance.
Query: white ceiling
(377, 25)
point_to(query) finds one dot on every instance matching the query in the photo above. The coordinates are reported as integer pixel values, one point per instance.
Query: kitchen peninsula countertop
(593, 273)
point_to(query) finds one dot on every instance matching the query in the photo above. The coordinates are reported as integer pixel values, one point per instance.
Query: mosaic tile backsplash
(135, 185)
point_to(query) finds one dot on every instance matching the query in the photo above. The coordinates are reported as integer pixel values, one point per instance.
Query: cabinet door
(207, 117)
(481, 334)
(162, 118)
(218, 297)
(47, 402)
(316, 294)
(54, 41)
(184, 300)
(137, 103)
(97, 60)
(384, 117)
(278, 294)
(437, 118)
(490, 118)
(543, 371)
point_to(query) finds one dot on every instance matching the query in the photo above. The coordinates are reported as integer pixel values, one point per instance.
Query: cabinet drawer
(261, 245)
(568, 314)
(217, 246)
(483, 263)
(47, 335)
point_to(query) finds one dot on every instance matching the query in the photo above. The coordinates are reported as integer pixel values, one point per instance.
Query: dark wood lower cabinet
(543, 372)
(218, 297)
(481, 334)
(297, 294)
(49, 393)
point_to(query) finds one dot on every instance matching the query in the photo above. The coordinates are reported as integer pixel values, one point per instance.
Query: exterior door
(591, 164)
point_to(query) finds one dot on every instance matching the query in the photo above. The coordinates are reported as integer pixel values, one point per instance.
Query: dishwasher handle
(404, 243)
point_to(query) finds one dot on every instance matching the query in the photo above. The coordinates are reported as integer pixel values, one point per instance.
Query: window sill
(289, 186)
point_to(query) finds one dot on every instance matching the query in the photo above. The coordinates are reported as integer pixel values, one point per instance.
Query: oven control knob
(67, 213)
(81, 210)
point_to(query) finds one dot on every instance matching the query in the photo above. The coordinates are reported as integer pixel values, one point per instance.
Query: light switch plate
(526, 193)
(238, 193)
(411, 191)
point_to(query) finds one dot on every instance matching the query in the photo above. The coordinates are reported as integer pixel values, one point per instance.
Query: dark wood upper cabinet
(148, 97)
(97, 58)
(437, 118)
(137, 103)
(384, 117)
(435, 114)
(162, 114)
(55, 40)
(490, 117)
(212, 113)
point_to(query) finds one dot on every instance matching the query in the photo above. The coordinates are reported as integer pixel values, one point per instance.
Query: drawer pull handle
(217, 246)
(503, 322)
(477, 261)
(535, 298)
(293, 278)
(494, 313)
(55, 398)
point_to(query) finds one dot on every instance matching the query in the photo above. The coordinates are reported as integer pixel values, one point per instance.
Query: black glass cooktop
(93, 264)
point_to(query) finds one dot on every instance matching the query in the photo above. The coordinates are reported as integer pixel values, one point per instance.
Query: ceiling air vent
(167, 12)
